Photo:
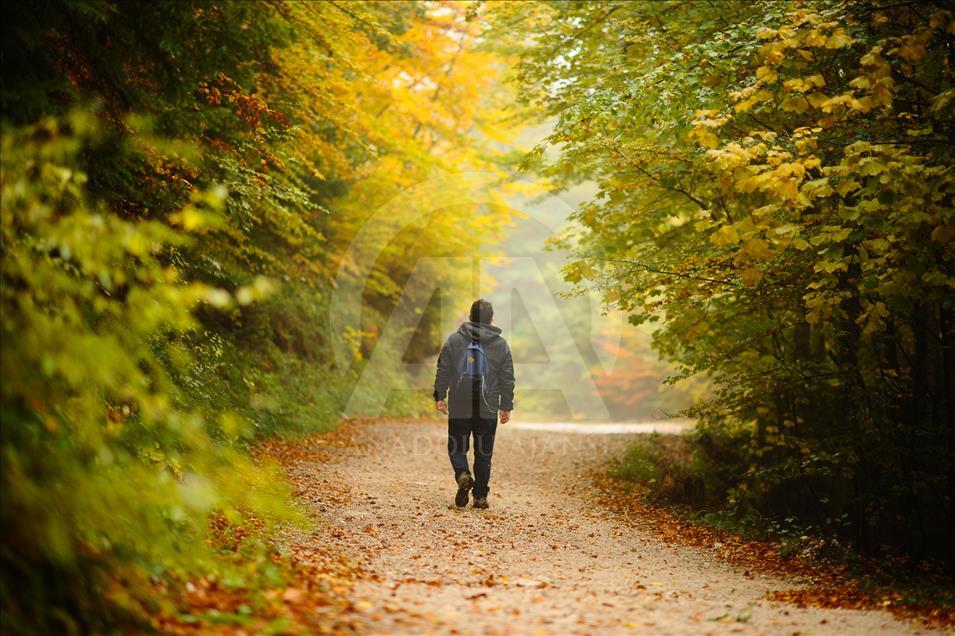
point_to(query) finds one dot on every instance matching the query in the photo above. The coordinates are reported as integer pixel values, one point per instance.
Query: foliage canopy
(180, 182)
(776, 191)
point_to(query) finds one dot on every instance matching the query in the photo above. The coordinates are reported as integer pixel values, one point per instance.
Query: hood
(479, 330)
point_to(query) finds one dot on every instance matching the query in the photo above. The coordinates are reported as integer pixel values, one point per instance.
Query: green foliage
(100, 460)
(776, 190)
(641, 462)
(180, 183)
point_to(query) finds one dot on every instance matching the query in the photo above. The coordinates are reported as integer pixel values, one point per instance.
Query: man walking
(475, 365)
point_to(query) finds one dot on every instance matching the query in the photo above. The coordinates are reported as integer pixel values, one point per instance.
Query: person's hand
(442, 406)
(505, 417)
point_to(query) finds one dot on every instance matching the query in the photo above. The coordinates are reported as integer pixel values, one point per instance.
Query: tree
(776, 191)
(180, 182)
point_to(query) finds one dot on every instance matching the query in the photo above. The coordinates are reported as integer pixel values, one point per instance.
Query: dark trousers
(460, 431)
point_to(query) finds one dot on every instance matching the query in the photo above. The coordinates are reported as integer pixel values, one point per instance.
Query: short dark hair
(481, 311)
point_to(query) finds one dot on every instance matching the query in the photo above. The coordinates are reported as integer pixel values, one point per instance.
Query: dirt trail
(543, 560)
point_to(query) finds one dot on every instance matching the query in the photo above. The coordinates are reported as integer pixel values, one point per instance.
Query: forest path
(545, 559)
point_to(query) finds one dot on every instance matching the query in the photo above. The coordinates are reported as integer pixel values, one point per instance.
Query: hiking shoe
(464, 486)
(481, 503)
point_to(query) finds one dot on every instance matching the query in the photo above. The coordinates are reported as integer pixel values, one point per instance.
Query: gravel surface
(544, 559)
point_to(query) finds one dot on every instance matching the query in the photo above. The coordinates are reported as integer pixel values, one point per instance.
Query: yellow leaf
(751, 276)
(731, 156)
(944, 233)
(797, 85)
(766, 74)
(745, 105)
(797, 104)
(832, 103)
(846, 187)
(726, 235)
(705, 138)
(817, 188)
(910, 52)
(757, 249)
(817, 99)
(838, 39)
(803, 84)
(749, 102)
(785, 187)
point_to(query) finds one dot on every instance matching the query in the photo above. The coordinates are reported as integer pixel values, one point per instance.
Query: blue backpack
(472, 369)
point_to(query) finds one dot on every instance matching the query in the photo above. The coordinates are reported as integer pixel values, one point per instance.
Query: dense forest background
(181, 182)
(776, 191)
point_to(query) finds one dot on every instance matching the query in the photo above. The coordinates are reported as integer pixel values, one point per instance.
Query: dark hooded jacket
(499, 392)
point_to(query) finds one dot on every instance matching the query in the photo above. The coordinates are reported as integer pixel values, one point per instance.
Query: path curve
(543, 560)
